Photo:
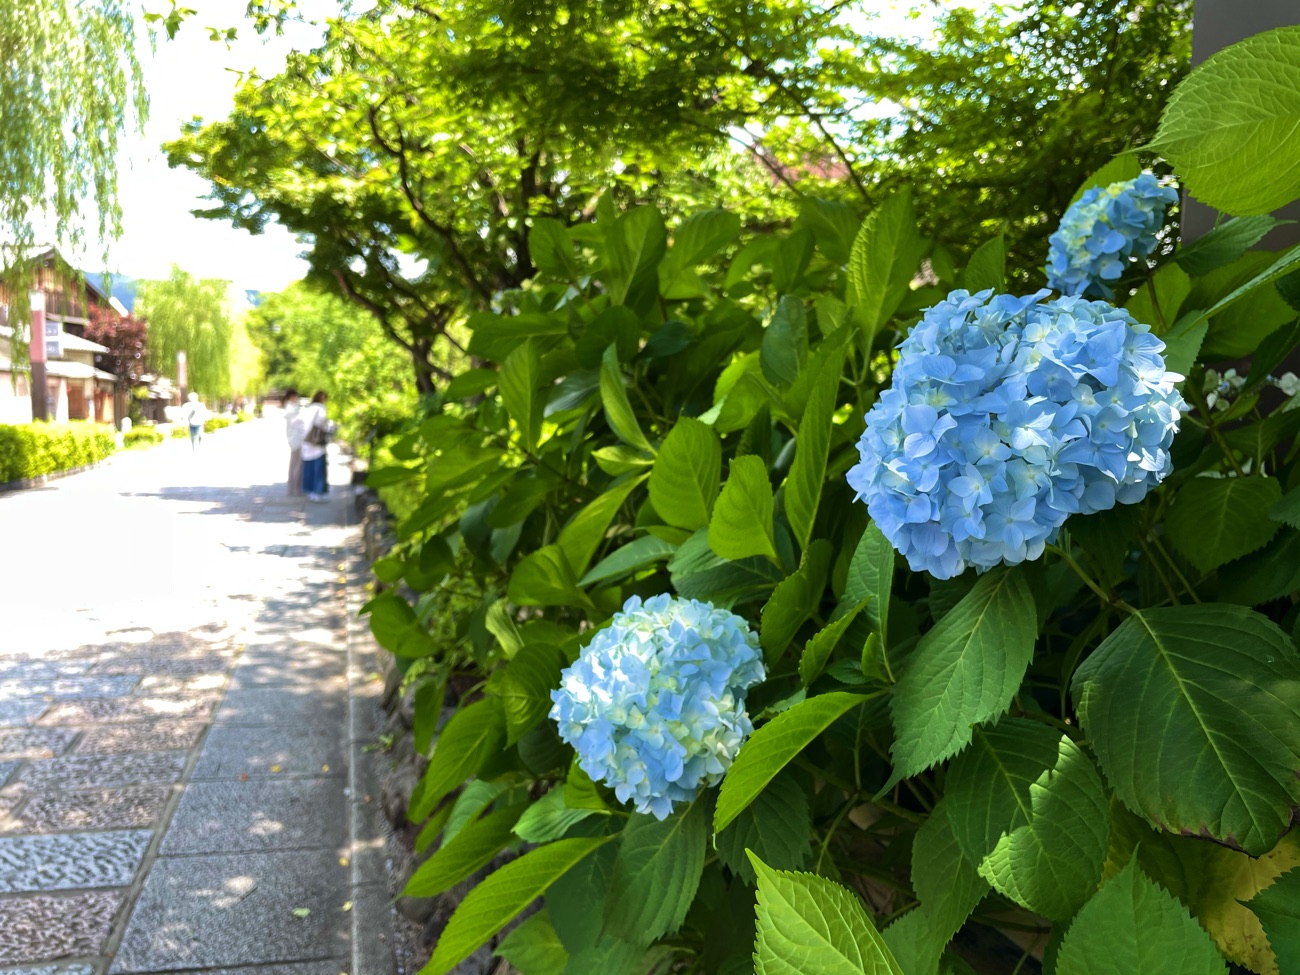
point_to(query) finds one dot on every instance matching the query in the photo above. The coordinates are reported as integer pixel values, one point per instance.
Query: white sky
(193, 75)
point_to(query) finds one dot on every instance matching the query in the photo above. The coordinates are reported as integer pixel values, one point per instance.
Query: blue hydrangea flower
(1007, 415)
(655, 703)
(1103, 231)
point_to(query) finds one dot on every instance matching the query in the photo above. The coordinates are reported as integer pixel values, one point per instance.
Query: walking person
(317, 428)
(294, 432)
(194, 414)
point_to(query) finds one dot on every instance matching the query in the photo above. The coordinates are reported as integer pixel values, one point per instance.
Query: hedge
(34, 449)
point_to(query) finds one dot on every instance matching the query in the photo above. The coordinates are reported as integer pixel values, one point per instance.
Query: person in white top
(317, 429)
(294, 432)
(194, 414)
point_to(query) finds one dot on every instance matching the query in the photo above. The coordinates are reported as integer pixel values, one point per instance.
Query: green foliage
(35, 449)
(75, 62)
(1232, 127)
(807, 923)
(1110, 732)
(193, 316)
(1132, 925)
(146, 436)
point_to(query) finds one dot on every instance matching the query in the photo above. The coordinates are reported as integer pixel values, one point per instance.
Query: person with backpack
(317, 430)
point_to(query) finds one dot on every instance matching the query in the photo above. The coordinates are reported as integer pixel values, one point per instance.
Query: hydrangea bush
(1034, 691)
(1004, 417)
(654, 706)
(1103, 232)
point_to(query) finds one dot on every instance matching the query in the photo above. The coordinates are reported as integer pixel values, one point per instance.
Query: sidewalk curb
(373, 939)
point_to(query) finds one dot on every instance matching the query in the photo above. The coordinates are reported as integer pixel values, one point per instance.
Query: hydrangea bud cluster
(1103, 231)
(1007, 415)
(655, 703)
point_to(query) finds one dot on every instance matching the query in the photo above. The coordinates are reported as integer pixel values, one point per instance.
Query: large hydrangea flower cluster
(1102, 231)
(1007, 415)
(655, 703)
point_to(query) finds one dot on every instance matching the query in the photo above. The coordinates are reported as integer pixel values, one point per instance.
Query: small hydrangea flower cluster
(655, 703)
(1102, 231)
(1007, 415)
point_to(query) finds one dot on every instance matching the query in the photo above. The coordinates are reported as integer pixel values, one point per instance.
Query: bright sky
(187, 76)
(193, 75)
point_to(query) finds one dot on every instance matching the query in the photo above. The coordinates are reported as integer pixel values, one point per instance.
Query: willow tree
(70, 86)
(190, 315)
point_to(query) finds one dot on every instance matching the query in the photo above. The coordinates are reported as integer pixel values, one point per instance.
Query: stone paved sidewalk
(174, 736)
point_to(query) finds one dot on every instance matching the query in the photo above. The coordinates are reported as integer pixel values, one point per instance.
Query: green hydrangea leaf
(470, 850)
(1278, 910)
(496, 901)
(475, 734)
(964, 671)
(741, 525)
(534, 948)
(656, 874)
(685, 480)
(885, 255)
(1214, 520)
(775, 826)
(1231, 129)
(1219, 687)
(772, 747)
(947, 882)
(1027, 805)
(807, 924)
(987, 267)
(1131, 925)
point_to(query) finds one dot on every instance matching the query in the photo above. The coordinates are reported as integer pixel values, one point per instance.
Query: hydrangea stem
(1107, 598)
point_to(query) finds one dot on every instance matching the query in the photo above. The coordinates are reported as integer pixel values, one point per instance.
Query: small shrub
(34, 449)
(146, 436)
(214, 423)
(179, 432)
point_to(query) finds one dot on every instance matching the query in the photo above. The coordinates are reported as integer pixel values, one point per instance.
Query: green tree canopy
(70, 84)
(313, 340)
(190, 315)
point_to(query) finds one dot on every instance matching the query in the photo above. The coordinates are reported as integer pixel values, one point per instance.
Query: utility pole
(181, 377)
(36, 355)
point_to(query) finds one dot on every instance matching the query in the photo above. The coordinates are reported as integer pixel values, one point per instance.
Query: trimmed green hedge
(34, 449)
(142, 435)
(214, 423)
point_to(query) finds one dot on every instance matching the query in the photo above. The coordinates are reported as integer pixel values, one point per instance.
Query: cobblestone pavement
(173, 733)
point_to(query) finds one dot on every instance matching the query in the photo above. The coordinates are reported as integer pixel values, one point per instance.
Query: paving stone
(7, 769)
(305, 750)
(125, 709)
(323, 703)
(307, 672)
(192, 686)
(155, 736)
(67, 688)
(214, 911)
(259, 814)
(40, 928)
(305, 968)
(70, 861)
(35, 742)
(102, 771)
(50, 970)
(183, 666)
(21, 712)
(133, 807)
(42, 669)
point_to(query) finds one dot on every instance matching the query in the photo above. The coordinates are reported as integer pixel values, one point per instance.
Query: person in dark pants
(317, 428)
(194, 413)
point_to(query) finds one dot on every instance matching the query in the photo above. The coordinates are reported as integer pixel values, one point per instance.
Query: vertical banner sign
(36, 345)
